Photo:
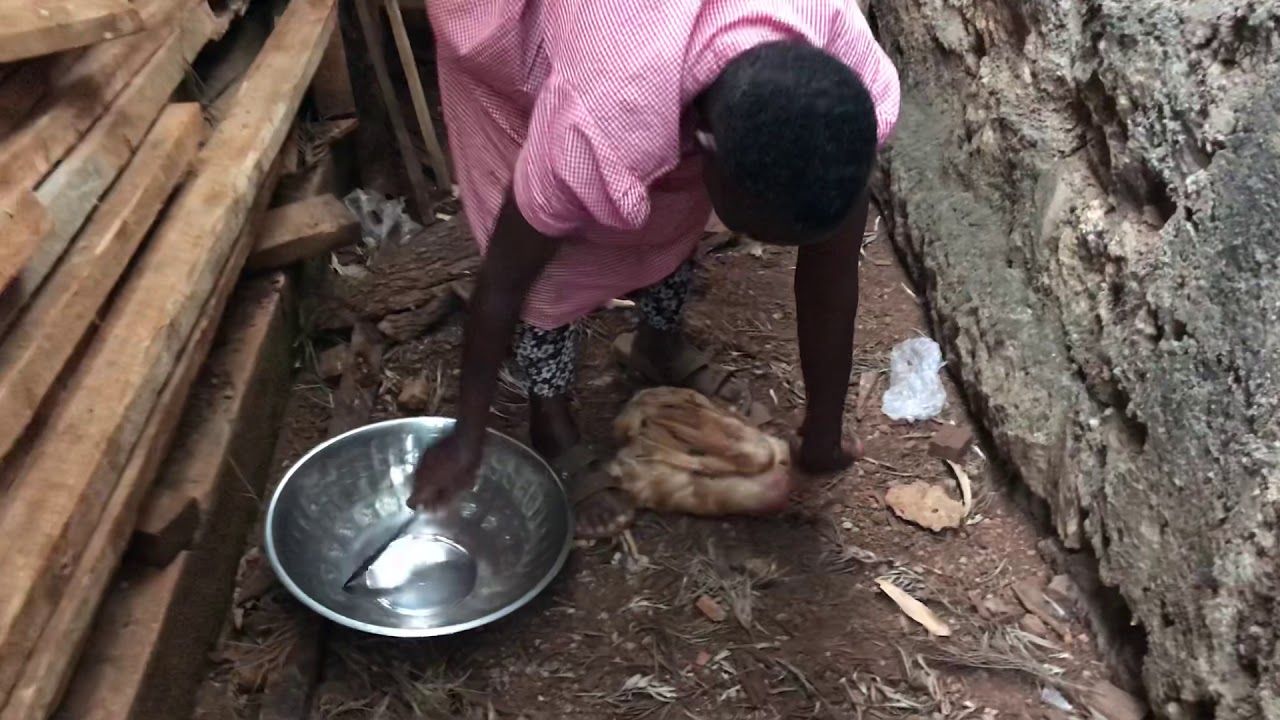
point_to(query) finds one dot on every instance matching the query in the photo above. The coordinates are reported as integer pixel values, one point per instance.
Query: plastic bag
(380, 217)
(915, 388)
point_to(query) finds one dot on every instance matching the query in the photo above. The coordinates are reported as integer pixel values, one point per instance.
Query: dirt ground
(808, 634)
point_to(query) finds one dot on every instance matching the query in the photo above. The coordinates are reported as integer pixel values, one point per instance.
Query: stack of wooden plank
(139, 369)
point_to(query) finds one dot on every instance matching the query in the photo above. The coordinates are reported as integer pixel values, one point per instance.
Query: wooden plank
(226, 62)
(70, 107)
(439, 164)
(420, 193)
(49, 513)
(331, 89)
(159, 12)
(22, 221)
(33, 355)
(302, 230)
(168, 526)
(145, 654)
(42, 27)
(290, 688)
(25, 85)
(50, 665)
(72, 190)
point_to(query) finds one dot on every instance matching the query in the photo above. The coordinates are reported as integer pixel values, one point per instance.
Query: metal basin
(492, 551)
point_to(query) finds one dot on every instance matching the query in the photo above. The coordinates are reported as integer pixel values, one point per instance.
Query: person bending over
(593, 139)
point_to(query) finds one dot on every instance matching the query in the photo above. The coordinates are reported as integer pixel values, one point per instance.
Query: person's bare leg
(660, 334)
(660, 341)
(549, 360)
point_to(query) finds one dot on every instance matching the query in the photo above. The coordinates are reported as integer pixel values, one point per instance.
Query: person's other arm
(826, 290)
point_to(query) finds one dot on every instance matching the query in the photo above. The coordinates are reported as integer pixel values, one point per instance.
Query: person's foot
(668, 358)
(602, 509)
(823, 458)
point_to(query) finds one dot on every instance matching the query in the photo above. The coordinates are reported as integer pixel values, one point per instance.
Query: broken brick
(951, 443)
(711, 609)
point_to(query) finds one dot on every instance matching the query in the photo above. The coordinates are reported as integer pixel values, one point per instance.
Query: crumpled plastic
(381, 218)
(915, 387)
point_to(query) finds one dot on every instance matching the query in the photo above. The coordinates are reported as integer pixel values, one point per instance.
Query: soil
(628, 632)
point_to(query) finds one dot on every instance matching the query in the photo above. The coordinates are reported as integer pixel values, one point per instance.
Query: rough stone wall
(1089, 192)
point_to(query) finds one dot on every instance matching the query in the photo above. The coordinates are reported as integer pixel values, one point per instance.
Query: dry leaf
(914, 609)
(926, 505)
(966, 486)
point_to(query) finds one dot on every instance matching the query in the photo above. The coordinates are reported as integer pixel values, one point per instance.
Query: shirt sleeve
(569, 174)
(858, 48)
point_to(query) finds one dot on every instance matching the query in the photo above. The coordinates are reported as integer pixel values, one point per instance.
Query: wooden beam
(34, 354)
(158, 12)
(146, 652)
(31, 28)
(290, 688)
(49, 668)
(439, 163)
(26, 84)
(23, 220)
(331, 89)
(70, 106)
(401, 277)
(72, 190)
(302, 230)
(49, 513)
(421, 193)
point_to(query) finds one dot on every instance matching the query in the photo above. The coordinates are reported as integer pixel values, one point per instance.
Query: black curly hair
(795, 128)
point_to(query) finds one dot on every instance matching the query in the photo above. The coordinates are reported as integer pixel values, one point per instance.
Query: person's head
(789, 137)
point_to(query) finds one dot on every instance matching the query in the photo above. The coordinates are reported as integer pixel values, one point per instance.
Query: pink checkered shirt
(579, 105)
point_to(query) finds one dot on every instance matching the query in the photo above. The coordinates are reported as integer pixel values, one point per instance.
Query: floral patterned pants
(549, 358)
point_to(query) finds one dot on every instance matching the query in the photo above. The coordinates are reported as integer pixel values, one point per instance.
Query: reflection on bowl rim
(306, 599)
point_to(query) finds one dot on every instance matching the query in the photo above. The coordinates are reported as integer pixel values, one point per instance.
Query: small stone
(415, 396)
(1063, 587)
(998, 607)
(952, 443)
(712, 609)
(332, 362)
(759, 568)
(1035, 626)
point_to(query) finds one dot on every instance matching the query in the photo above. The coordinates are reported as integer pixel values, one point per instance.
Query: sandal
(602, 508)
(693, 369)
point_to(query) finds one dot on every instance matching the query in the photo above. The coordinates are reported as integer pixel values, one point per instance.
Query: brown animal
(681, 453)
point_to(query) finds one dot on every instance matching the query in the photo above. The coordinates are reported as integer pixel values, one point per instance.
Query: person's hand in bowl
(445, 469)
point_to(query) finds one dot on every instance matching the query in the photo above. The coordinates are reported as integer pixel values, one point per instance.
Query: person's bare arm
(826, 290)
(516, 255)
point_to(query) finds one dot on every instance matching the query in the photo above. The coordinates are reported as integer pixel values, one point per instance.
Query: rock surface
(1089, 191)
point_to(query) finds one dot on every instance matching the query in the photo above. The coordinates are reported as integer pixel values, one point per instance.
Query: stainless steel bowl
(491, 552)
